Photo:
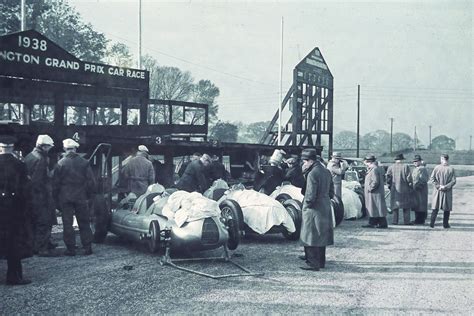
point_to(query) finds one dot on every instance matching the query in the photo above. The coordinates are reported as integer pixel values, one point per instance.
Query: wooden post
(27, 113)
(124, 110)
(169, 167)
(59, 110)
(330, 122)
(143, 112)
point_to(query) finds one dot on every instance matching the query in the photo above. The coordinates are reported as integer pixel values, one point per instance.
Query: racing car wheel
(294, 210)
(338, 207)
(232, 214)
(282, 197)
(154, 237)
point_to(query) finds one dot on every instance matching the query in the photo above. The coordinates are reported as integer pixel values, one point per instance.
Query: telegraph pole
(391, 134)
(429, 146)
(358, 117)
(470, 142)
(414, 139)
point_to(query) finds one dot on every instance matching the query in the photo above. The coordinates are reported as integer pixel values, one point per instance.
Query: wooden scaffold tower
(310, 102)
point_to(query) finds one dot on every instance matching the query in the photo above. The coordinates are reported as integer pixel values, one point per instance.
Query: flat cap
(70, 143)
(309, 154)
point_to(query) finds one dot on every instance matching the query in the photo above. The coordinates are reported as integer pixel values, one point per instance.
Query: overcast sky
(413, 60)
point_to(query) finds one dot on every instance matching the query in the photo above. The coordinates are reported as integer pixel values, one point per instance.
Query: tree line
(61, 23)
(379, 141)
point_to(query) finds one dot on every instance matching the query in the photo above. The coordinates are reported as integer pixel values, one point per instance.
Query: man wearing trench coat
(317, 226)
(16, 240)
(444, 179)
(420, 178)
(374, 194)
(401, 194)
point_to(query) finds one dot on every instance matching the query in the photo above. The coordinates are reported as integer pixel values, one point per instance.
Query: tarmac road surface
(403, 269)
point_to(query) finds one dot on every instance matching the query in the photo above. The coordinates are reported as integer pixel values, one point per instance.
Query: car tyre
(338, 207)
(294, 210)
(154, 237)
(360, 193)
(231, 212)
(239, 215)
(282, 197)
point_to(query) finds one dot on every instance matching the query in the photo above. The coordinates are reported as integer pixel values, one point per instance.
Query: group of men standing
(408, 191)
(408, 188)
(31, 191)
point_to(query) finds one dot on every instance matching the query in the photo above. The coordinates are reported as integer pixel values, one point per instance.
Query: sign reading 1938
(30, 49)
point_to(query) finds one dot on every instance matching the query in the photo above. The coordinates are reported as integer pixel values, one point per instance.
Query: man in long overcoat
(139, 173)
(317, 226)
(73, 185)
(374, 194)
(401, 194)
(194, 177)
(42, 204)
(420, 179)
(337, 166)
(444, 179)
(16, 240)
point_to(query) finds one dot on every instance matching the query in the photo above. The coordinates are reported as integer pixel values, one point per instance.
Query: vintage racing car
(260, 213)
(145, 219)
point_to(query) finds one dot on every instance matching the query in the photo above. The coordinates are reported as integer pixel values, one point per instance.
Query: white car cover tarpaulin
(295, 194)
(351, 200)
(352, 204)
(185, 207)
(289, 189)
(261, 212)
(218, 184)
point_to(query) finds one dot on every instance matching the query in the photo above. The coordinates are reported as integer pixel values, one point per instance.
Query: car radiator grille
(210, 233)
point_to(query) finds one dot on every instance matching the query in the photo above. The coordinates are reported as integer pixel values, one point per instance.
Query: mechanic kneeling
(194, 177)
(73, 185)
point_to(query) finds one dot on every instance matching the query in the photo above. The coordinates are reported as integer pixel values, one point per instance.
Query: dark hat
(370, 158)
(309, 154)
(445, 156)
(7, 140)
(292, 159)
(399, 157)
(417, 158)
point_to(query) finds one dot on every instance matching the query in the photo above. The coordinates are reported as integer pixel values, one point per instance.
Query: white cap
(70, 143)
(142, 148)
(44, 140)
(277, 157)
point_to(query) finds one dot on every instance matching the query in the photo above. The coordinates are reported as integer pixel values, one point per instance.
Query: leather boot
(312, 259)
(446, 219)
(87, 250)
(395, 216)
(434, 213)
(322, 257)
(15, 272)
